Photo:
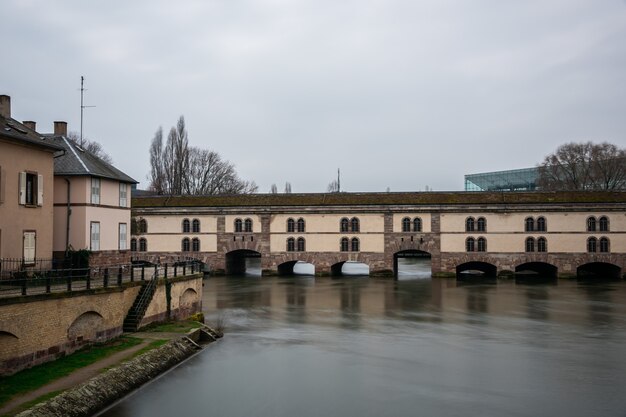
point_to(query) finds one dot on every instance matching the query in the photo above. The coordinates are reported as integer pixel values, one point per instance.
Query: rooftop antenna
(338, 181)
(82, 107)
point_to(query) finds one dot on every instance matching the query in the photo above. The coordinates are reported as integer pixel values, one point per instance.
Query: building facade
(562, 234)
(91, 203)
(26, 191)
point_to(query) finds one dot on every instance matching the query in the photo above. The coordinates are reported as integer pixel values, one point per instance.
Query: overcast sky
(397, 93)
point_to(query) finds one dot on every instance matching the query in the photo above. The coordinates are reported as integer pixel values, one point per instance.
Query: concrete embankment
(98, 393)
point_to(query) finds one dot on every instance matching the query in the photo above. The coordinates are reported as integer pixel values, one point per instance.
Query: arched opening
(599, 271)
(536, 271)
(476, 270)
(350, 268)
(10, 344)
(296, 268)
(286, 268)
(412, 264)
(243, 262)
(188, 303)
(86, 328)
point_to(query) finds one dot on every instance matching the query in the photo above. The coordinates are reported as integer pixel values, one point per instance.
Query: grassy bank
(38, 376)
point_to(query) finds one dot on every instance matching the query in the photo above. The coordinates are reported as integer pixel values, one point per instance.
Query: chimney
(5, 106)
(30, 124)
(60, 128)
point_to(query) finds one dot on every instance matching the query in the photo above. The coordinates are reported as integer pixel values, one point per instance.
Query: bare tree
(333, 186)
(287, 188)
(583, 166)
(157, 165)
(91, 146)
(274, 189)
(178, 168)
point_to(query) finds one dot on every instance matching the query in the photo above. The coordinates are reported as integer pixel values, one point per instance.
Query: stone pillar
(435, 253)
(267, 263)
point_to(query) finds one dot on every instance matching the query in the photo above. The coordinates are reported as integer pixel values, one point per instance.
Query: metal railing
(45, 281)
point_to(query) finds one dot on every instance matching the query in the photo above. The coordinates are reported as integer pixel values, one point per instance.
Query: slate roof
(377, 199)
(11, 129)
(77, 161)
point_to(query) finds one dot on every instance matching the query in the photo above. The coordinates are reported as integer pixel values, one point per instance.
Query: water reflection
(371, 347)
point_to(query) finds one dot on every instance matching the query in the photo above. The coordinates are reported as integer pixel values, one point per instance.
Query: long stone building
(556, 233)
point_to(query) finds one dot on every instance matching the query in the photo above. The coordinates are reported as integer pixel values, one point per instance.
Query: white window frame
(36, 192)
(123, 236)
(96, 187)
(94, 236)
(29, 246)
(123, 194)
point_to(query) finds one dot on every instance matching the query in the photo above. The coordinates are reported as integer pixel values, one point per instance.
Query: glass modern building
(513, 180)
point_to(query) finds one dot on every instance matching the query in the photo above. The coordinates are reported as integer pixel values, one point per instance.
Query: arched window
(345, 243)
(591, 224)
(291, 244)
(542, 244)
(143, 245)
(301, 245)
(604, 224)
(185, 245)
(481, 224)
(541, 224)
(469, 244)
(417, 224)
(186, 226)
(469, 224)
(355, 244)
(247, 225)
(354, 223)
(291, 225)
(238, 225)
(530, 244)
(592, 243)
(482, 244)
(301, 225)
(406, 224)
(133, 245)
(195, 226)
(142, 226)
(195, 244)
(604, 244)
(530, 224)
(344, 225)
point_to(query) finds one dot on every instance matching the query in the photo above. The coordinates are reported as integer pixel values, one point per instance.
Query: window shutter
(29, 246)
(1, 186)
(40, 190)
(23, 188)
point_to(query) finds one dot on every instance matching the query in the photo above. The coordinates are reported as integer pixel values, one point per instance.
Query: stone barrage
(103, 390)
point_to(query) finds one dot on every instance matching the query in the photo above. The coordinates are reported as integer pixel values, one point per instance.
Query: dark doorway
(243, 262)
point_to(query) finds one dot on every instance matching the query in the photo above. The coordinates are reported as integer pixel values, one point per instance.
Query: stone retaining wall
(100, 392)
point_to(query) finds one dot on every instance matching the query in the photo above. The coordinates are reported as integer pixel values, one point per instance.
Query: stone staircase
(139, 307)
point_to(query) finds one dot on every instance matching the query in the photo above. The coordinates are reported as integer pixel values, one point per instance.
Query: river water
(301, 347)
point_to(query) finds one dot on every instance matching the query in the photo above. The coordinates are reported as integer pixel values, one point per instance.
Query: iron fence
(32, 281)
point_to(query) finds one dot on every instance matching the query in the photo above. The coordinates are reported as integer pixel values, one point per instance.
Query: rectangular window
(1, 186)
(31, 189)
(29, 247)
(95, 190)
(95, 236)
(122, 236)
(123, 191)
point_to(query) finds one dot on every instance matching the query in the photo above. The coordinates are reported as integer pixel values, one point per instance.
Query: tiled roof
(11, 129)
(375, 199)
(78, 161)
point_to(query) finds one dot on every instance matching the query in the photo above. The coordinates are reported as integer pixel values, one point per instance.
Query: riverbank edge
(98, 393)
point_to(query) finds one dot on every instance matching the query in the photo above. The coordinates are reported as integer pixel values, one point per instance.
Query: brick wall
(42, 328)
